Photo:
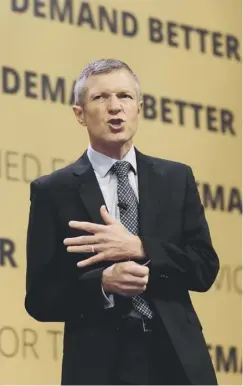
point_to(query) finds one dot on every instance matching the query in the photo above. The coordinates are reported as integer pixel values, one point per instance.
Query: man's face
(110, 110)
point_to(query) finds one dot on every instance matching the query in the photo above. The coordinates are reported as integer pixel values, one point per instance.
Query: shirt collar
(101, 163)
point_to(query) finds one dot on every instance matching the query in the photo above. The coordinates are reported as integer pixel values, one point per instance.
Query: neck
(112, 151)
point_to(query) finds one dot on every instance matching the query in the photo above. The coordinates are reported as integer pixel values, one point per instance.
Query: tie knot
(121, 169)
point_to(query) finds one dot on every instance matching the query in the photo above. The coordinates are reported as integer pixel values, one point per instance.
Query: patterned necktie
(129, 218)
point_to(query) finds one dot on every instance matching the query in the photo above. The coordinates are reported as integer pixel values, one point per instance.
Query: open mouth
(116, 122)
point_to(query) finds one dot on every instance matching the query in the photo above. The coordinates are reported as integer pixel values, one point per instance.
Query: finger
(80, 249)
(136, 281)
(136, 269)
(128, 287)
(131, 291)
(108, 219)
(93, 248)
(80, 240)
(86, 226)
(92, 260)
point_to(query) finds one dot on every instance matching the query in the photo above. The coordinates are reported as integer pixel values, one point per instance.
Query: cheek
(132, 111)
(133, 116)
(96, 116)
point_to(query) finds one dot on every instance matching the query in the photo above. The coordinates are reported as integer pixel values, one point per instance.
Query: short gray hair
(101, 66)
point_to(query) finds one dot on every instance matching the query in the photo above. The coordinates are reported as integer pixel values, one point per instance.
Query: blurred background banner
(188, 57)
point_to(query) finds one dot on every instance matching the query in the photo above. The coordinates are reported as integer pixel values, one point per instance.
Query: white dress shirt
(108, 181)
(108, 184)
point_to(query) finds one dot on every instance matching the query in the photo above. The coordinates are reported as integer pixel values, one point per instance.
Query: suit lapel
(153, 195)
(89, 190)
(152, 186)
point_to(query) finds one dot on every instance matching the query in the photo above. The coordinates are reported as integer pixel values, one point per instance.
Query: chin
(118, 138)
(122, 136)
(120, 142)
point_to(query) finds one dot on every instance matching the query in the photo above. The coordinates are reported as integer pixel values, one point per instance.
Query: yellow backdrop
(187, 55)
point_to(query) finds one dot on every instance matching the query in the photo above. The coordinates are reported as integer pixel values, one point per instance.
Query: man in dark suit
(115, 242)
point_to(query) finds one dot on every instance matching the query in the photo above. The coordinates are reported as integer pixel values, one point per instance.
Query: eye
(97, 97)
(124, 95)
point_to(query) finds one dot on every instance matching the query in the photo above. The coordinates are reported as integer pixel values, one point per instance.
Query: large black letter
(235, 201)
(62, 14)
(155, 30)
(30, 84)
(10, 81)
(7, 249)
(49, 93)
(213, 201)
(172, 33)
(88, 18)
(129, 24)
(110, 21)
(196, 108)
(181, 105)
(226, 364)
(211, 118)
(37, 5)
(227, 120)
(187, 29)
(149, 107)
(232, 46)
(20, 8)
(165, 110)
(202, 33)
(217, 43)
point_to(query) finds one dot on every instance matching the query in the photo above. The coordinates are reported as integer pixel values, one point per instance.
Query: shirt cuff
(109, 300)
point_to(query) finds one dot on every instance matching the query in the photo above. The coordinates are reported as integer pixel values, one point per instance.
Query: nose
(114, 105)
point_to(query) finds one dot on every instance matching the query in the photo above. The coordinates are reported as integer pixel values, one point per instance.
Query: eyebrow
(117, 92)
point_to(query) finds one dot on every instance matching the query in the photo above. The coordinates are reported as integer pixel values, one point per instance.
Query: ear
(140, 106)
(79, 114)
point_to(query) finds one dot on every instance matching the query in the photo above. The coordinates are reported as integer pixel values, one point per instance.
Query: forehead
(115, 81)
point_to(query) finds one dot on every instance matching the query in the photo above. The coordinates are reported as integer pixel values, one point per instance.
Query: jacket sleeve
(56, 290)
(194, 263)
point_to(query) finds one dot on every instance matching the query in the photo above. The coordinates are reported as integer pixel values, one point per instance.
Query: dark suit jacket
(176, 239)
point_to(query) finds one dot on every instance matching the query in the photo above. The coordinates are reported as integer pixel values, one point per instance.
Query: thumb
(108, 219)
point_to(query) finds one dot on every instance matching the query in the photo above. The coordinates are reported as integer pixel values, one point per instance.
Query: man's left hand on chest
(109, 242)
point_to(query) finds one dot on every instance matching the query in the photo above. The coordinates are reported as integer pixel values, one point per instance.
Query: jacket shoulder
(169, 165)
(55, 178)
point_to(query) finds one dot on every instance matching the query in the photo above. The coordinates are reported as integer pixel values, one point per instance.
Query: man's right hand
(127, 279)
